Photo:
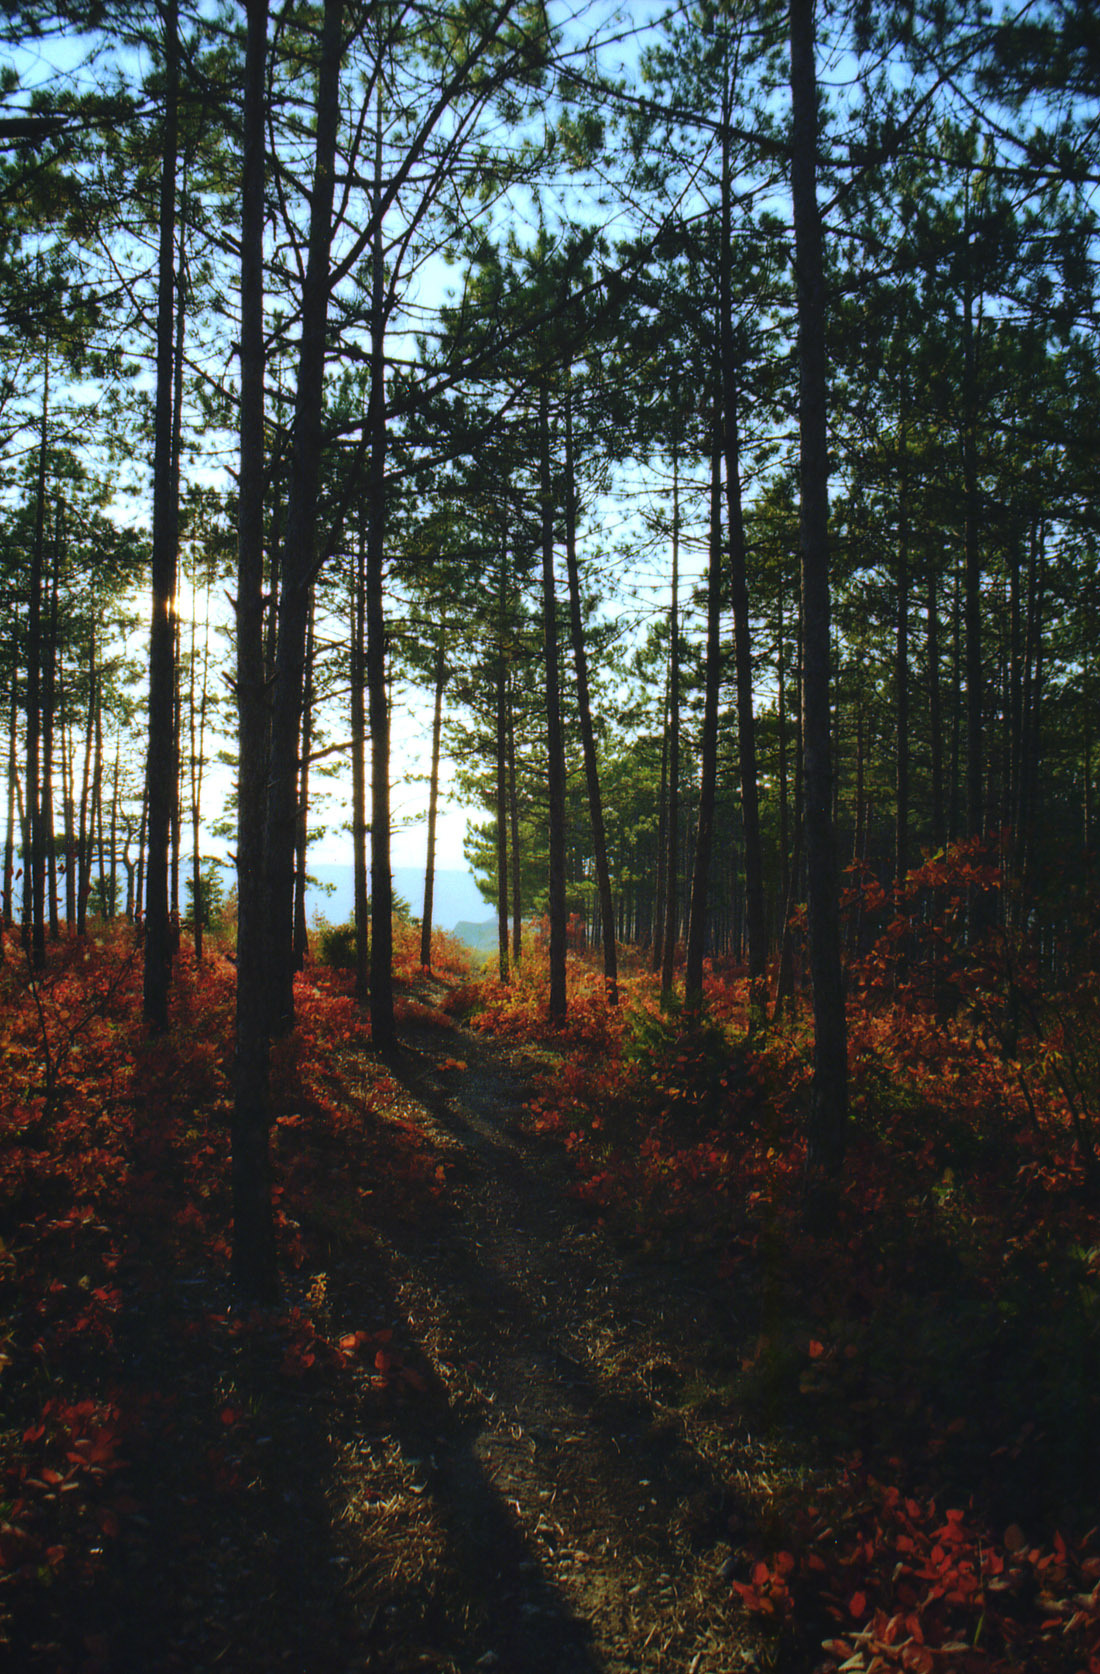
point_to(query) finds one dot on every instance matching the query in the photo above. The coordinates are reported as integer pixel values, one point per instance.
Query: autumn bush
(943, 1338)
(114, 1205)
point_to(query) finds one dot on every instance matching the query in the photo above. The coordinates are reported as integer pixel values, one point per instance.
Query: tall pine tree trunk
(13, 775)
(34, 858)
(359, 767)
(672, 851)
(708, 769)
(827, 1131)
(588, 735)
(68, 798)
(439, 686)
(901, 665)
(198, 749)
(660, 882)
(84, 837)
(972, 561)
(739, 596)
(555, 748)
(253, 1257)
(301, 836)
(49, 716)
(382, 1023)
(935, 702)
(160, 774)
(513, 822)
(501, 682)
(296, 581)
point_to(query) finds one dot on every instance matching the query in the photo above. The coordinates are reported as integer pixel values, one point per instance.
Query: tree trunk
(160, 773)
(299, 549)
(433, 801)
(501, 680)
(901, 666)
(301, 835)
(954, 785)
(935, 704)
(660, 887)
(513, 816)
(827, 1131)
(116, 780)
(49, 708)
(972, 562)
(161, 760)
(13, 776)
(1033, 687)
(784, 771)
(382, 1024)
(739, 597)
(708, 771)
(198, 748)
(253, 1257)
(177, 789)
(97, 813)
(588, 736)
(359, 767)
(84, 835)
(139, 889)
(672, 861)
(34, 858)
(555, 767)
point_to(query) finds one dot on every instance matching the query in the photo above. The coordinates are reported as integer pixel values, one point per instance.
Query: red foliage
(114, 1190)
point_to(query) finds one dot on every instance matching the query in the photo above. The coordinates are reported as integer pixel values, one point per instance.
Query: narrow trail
(559, 1499)
(559, 1485)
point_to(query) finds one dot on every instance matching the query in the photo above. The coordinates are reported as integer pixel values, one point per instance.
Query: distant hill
(480, 938)
(456, 895)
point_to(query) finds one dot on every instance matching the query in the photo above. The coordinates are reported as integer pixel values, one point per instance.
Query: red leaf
(857, 1604)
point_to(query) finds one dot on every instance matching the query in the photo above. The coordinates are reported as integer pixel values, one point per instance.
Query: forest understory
(559, 1381)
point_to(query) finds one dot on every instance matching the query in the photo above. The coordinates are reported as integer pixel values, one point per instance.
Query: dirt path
(559, 1499)
(559, 1486)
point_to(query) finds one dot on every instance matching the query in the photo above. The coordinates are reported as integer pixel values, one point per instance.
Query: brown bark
(382, 1022)
(84, 836)
(433, 802)
(34, 857)
(501, 811)
(301, 832)
(708, 769)
(359, 768)
(253, 1254)
(13, 775)
(672, 862)
(299, 549)
(827, 1131)
(160, 772)
(935, 702)
(972, 566)
(901, 666)
(555, 748)
(513, 819)
(739, 597)
(588, 735)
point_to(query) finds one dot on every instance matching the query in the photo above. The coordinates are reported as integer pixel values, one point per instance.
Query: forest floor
(559, 1382)
(508, 1464)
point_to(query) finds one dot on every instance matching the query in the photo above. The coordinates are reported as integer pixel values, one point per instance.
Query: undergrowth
(114, 1210)
(937, 1351)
